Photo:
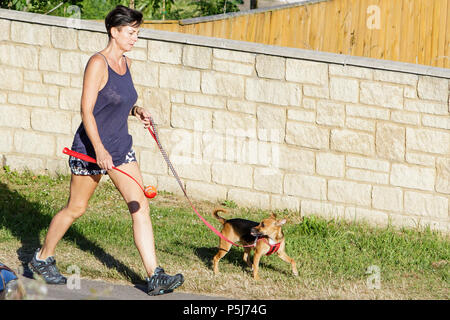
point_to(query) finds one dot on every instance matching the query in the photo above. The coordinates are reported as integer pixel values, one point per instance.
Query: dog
(266, 237)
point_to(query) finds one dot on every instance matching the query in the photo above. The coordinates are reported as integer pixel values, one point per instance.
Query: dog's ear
(281, 222)
(273, 215)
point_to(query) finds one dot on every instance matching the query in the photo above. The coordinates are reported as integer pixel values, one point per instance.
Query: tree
(151, 9)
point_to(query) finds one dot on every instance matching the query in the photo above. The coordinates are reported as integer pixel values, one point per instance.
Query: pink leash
(154, 134)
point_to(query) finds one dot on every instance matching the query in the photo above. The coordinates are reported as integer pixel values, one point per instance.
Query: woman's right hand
(104, 159)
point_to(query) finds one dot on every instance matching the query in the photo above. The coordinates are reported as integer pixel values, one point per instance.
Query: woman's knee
(76, 210)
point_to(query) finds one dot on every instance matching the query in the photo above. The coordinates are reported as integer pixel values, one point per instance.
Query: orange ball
(150, 191)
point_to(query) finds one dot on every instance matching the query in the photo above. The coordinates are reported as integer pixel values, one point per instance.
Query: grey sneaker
(47, 269)
(161, 283)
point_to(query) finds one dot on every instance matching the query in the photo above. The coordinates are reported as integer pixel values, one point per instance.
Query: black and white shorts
(83, 168)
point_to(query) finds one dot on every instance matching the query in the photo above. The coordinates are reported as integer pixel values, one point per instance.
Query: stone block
(352, 142)
(301, 115)
(236, 175)
(234, 124)
(395, 77)
(26, 99)
(92, 41)
(152, 162)
(216, 83)
(232, 55)
(367, 112)
(429, 141)
(64, 38)
(367, 176)
(57, 78)
(14, 76)
(166, 52)
(249, 199)
(5, 29)
(360, 124)
(20, 163)
(70, 99)
(304, 186)
(284, 203)
(191, 118)
(23, 57)
(197, 57)
(431, 107)
(6, 140)
(322, 209)
(330, 113)
(172, 77)
(436, 122)
(349, 192)
(202, 100)
(273, 92)
(297, 160)
(351, 72)
(443, 175)
(268, 180)
(270, 67)
(346, 90)
(206, 191)
(49, 59)
(426, 205)
(306, 135)
(33, 143)
(390, 141)
(30, 33)
(307, 72)
(14, 117)
(431, 88)
(413, 177)
(329, 164)
(233, 67)
(366, 163)
(379, 94)
(147, 73)
(271, 123)
(387, 198)
(241, 106)
(51, 121)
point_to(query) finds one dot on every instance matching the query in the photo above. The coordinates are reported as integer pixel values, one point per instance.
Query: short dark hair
(122, 16)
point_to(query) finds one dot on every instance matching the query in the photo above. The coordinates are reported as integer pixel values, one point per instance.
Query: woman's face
(125, 36)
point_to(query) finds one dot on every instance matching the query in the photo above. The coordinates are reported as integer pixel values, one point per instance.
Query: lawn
(334, 258)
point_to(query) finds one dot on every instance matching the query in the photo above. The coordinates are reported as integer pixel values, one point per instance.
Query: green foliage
(151, 9)
(229, 204)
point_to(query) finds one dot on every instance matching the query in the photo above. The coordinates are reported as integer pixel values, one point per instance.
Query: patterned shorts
(83, 168)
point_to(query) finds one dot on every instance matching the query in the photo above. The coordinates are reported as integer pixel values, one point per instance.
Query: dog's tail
(222, 220)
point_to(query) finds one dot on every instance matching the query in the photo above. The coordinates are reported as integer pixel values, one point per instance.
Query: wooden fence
(414, 31)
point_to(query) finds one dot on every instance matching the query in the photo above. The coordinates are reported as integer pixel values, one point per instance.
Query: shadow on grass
(26, 220)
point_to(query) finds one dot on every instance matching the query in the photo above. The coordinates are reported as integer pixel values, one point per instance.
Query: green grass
(332, 256)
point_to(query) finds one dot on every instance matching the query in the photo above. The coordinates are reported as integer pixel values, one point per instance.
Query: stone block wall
(272, 128)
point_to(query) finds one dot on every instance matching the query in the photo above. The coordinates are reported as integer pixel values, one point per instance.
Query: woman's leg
(140, 213)
(81, 190)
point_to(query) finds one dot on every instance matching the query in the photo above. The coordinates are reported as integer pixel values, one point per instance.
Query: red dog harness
(273, 247)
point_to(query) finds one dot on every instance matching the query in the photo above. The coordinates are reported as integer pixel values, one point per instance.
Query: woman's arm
(93, 78)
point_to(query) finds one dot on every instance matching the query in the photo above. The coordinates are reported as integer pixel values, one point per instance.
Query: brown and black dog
(266, 236)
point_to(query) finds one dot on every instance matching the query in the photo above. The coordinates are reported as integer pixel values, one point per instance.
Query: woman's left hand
(144, 116)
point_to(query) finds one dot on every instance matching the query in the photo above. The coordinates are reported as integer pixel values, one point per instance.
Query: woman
(107, 100)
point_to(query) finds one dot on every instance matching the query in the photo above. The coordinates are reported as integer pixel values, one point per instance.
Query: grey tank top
(111, 110)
